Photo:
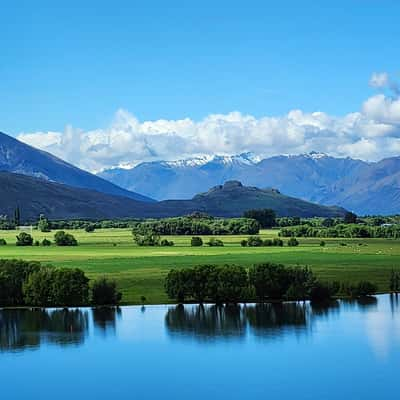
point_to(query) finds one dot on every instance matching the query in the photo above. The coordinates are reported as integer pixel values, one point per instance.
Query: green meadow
(140, 271)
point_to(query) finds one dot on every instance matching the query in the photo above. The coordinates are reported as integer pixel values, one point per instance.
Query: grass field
(141, 270)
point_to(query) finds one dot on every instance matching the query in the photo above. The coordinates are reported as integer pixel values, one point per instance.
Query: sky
(103, 83)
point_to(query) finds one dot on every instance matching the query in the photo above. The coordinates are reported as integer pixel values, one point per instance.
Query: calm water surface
(347, 350)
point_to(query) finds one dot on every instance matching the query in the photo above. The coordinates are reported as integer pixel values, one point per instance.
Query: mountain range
(360, 186)
(35, 196)
(19, 157)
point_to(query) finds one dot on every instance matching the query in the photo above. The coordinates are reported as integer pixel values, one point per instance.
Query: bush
(3, 242)
(89, 228)
(214, 242)
(323, 291)
(36, 243)
(273, 242)
(254, 241)
(64, 239)
(322, 243)
(243, 243)
(24, 239)
(148, 239)
(166, 242)
(46, 242)
(104, 292)
(196, 241)
(366, 288)
(292, 242)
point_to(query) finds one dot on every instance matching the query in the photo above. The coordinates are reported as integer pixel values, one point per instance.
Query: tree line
(32, 284)
(232, 284)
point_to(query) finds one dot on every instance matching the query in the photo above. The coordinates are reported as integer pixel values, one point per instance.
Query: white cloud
(371, 134)
(379, 80)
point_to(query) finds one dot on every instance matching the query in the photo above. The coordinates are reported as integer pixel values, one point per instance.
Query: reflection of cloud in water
(383, 328)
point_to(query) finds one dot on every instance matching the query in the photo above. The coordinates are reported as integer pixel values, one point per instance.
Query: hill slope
(18, 157)
(36, 196)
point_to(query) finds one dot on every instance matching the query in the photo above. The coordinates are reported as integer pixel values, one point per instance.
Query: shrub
(214, 242)
(3, 242)
(24, 239)
(36, 243)
(46, 242)
(366, 288)
(89, 228)
(254, 241)
(148, 239)
(196, 241)
(64, 239)
(166, 242)
(104, 292)
(323, 291)
(243, 243)
(292, 242)
(322, 243)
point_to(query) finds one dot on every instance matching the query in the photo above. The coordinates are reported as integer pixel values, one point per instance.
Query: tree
(350, 218)
(24, 239)
(3, 242)
(254, 241)
(293, 242)
(89, 228)
(166, 242)
(177, 285)
(265, 217)
(38, 289)
(394, 284)
(17, 216)
(43, 225)
(46, 242)
(105, 292)
(196, 241)
(64, 239)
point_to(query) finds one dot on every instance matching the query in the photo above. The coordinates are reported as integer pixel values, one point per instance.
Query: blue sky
(80, 61)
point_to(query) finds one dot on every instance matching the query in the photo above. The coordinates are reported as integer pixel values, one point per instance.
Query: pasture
(140, 271)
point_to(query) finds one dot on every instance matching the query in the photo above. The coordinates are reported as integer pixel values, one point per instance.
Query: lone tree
(64, 239)
(104, 292)
(24, 239)
(266, 217)
(43, 224)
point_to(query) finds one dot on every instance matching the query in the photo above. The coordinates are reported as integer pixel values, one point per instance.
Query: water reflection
(234, 322)
(23, 328)
(104, 319)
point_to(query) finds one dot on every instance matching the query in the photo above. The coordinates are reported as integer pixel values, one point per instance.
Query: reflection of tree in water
(20, 329)
(277, 318)
(104, 318)
(269, 319)
(206, 322)
(365, 303)
(394, 302)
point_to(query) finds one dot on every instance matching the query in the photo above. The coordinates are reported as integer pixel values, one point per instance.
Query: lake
(344, 350)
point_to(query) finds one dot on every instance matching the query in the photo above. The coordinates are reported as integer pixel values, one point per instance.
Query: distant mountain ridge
(363, 187)
(35, 196)
(19, 157)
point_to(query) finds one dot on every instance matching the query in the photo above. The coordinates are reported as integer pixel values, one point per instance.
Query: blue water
(348, 350)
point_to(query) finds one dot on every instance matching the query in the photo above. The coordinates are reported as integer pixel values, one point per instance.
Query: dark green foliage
(64, 239)
(322, 243)
(273, 242)
(198, 225)
(36, 243)
(196, 241)
(254, 241)
(90, 228)
(243, 243)
(148, 239)
(394, 284)
(214, 242)
(177, 285)
(105, 292)
(3, 242)
(56, 287)
(292, 242)
(46, 242)
(13, 274)
(166, 242)
(362, 288)
(17, 217)
(321, 291)
(24, 239)
(265, 217)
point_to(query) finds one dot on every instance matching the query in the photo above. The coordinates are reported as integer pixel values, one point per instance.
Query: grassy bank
(141, 270)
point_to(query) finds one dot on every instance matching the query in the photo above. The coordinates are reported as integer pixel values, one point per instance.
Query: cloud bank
(371, 133)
